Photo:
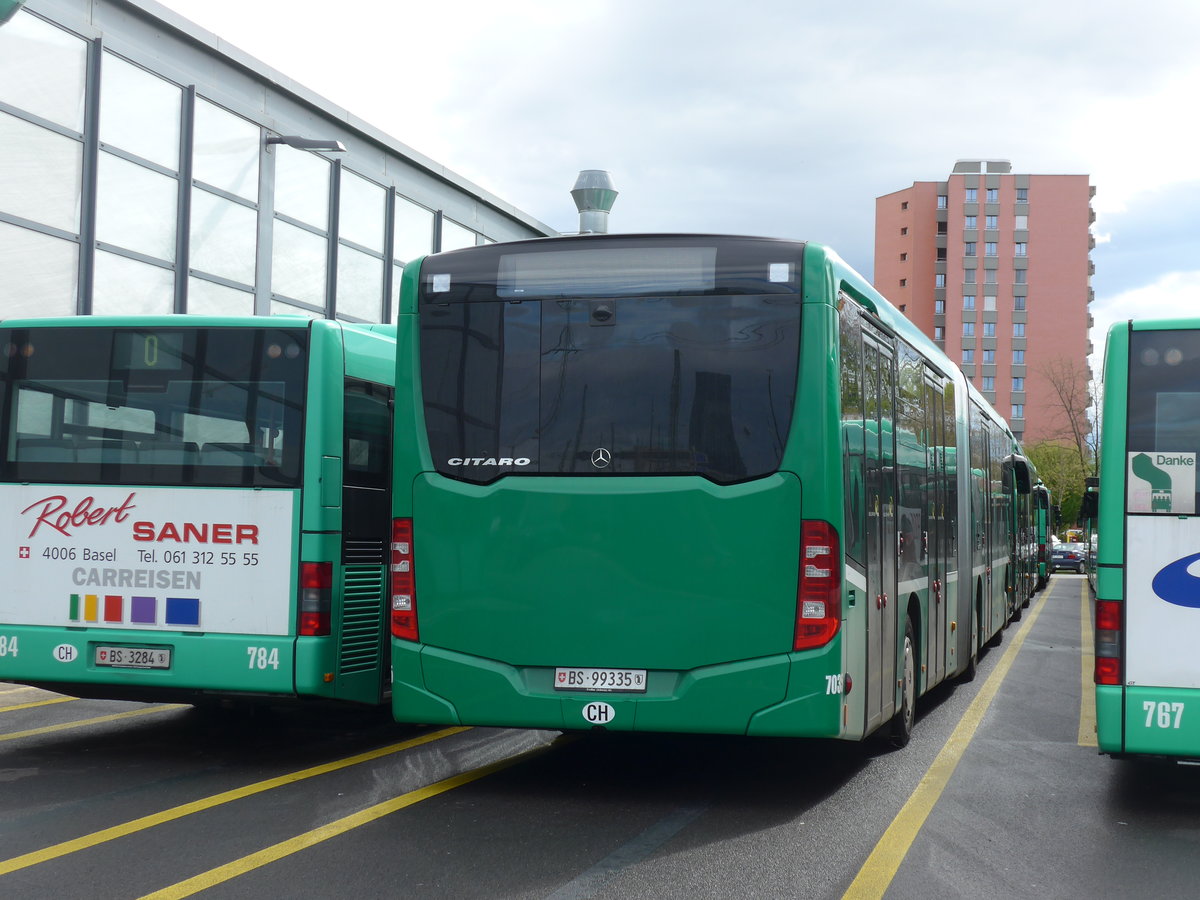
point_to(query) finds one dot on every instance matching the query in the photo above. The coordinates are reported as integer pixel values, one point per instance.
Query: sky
(784, 118)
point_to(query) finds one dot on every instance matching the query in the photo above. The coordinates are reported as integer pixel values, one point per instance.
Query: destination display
(153, 559)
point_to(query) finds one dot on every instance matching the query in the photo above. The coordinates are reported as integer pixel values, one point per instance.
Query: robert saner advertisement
(153, 559)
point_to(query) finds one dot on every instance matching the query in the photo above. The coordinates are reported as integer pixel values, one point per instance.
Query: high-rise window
(1018, 329)
(968, 276)
(972, 195)
(939, 280)
(969, 248)
(939, 332)
(1018, 357)
(1019, 248)
(993, 195)
(968, 355)
(989, 275)
(989, 302)
(988, 383)
(939, 307)
(1021, 223)
(942, 201)
(991, 223)
(968, 329)
(1022, 195)
(989, 357)
(1019, 302)
(969, 222)
(989, 248)
(1020, 276)
(968, 301)
(1018, 384)
(989, 329)
(1018, 410)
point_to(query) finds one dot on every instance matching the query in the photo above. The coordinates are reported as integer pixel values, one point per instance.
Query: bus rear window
(1164, 420)
(697, 381)
(216, 406)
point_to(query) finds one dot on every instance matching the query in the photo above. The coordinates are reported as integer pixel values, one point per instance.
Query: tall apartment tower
(995, 267)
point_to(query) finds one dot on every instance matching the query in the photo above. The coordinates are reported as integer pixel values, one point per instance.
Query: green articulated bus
(196, 508)
(1147, 586)
(685, 484)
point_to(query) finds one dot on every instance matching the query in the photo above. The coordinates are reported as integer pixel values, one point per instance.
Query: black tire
(1081, 569)
(972, 668)
(901, 727)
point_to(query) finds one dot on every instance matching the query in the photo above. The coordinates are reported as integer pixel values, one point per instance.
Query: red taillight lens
(316, 593)
(1108, 642)
(403, 582)
(819, 597)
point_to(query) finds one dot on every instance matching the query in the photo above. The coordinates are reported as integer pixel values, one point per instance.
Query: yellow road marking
(883, 863)
(1087, 695)
(13, 735)
(178, 812)
(221, 874)
(36, 703)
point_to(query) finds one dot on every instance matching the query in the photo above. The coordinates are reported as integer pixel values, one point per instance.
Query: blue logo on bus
(1175, 584)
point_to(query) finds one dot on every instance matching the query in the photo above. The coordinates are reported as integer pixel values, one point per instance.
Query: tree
(1068, 398)
(1066, 454)
(1059, 466)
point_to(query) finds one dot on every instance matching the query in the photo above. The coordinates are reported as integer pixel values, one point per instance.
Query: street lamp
(303, 143)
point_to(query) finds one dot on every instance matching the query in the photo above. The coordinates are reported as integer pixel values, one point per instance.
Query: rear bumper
(765, 696)
(1151, 721)
(65, 660)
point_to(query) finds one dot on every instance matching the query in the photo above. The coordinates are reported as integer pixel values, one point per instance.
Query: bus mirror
(1019, 466)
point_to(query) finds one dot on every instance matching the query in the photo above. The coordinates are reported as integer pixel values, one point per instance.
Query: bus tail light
(403, 583)
(819, 597)
(1108, 642)
(316, 597)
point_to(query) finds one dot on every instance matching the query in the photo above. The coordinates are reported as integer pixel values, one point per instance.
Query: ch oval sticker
(599, 713)
(66, 653)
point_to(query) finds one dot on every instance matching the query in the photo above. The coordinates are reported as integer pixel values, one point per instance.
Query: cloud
(784, 117)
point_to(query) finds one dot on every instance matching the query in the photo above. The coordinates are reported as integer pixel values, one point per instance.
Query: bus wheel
(902, 722)
(972, 668)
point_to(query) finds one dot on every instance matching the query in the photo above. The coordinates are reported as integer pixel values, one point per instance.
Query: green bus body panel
(608, 572)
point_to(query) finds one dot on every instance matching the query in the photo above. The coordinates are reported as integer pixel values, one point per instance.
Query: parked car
(1072, 557)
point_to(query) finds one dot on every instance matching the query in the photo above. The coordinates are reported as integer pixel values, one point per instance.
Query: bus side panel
(1109, 718)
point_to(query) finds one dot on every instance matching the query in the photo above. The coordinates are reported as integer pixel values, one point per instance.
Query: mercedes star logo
(601, 457)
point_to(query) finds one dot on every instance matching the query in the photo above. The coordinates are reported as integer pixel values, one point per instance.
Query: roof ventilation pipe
(594, 196)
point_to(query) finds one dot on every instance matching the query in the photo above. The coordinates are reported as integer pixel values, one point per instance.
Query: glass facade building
(147, 167)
